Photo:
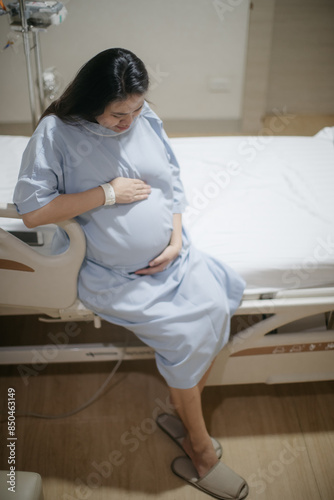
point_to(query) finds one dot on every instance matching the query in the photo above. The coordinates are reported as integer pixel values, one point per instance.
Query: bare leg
(197, 444)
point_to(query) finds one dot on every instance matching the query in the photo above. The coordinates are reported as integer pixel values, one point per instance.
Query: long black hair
(112, 75)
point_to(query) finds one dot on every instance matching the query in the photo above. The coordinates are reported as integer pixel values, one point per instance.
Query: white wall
(184, 43)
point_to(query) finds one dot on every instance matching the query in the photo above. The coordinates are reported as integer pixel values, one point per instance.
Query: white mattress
(263, 205)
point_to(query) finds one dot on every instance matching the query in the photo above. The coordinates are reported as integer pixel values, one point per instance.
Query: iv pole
(31, 87)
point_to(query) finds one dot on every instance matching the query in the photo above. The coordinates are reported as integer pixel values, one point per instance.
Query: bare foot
(203, 457)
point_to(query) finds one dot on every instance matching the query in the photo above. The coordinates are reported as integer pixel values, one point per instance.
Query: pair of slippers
(220, 481)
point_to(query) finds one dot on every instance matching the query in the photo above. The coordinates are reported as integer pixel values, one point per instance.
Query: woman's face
(118, 115)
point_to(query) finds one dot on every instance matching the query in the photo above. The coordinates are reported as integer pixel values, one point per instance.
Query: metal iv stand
(25, 29)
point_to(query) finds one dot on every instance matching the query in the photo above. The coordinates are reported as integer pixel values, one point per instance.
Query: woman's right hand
(130, 190)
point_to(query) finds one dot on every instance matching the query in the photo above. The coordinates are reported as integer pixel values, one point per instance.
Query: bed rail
(31, 279)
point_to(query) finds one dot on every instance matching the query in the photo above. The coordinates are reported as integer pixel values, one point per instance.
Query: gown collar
(97, 129)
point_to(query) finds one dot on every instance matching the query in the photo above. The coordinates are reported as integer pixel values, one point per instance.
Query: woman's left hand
(161, 262)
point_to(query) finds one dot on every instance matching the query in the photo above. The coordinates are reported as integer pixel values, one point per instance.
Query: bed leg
(330, 320)
(97, 321)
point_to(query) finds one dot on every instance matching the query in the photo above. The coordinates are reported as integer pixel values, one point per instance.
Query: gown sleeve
(40, 178)
(180, 201)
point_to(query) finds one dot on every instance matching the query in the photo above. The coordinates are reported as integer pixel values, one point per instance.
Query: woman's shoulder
(153, 119)
(149, 114)
(51, 124)
(49, 133)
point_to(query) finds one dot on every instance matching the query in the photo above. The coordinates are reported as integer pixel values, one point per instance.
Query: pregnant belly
(130, 235)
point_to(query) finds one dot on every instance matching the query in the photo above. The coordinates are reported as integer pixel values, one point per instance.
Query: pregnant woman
(100, 155)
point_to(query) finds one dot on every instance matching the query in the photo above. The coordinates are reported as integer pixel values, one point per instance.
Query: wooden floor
(279, 438)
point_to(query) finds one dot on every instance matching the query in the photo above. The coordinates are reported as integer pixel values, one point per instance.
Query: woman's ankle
(202, 445)
(204, 461)
(201, 453)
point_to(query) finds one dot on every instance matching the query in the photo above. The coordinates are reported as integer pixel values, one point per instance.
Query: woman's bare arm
(66, 206)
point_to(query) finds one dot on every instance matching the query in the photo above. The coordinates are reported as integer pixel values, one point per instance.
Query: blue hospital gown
(183, 312)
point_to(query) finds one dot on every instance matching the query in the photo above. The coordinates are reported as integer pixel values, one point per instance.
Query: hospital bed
(262, 204)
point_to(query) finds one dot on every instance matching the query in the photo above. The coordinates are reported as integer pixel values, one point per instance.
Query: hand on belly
(160, 263)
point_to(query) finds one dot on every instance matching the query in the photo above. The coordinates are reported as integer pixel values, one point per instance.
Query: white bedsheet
(264, 205)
